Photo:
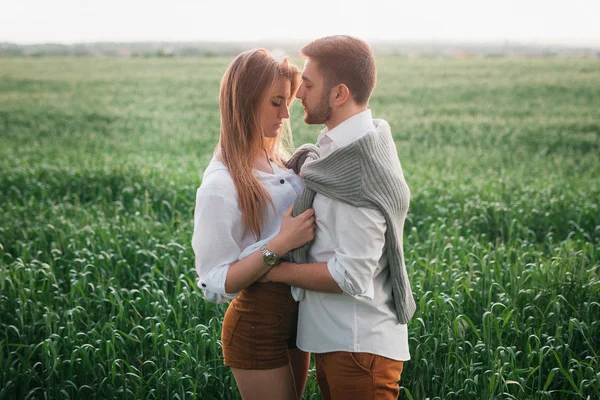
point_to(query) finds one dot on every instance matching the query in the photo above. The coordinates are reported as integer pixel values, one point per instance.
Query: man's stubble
(322, 113)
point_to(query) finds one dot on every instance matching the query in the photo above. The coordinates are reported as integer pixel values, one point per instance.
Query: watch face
(271, 259)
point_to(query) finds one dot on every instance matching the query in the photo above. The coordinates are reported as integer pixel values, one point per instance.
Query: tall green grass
(100, 159)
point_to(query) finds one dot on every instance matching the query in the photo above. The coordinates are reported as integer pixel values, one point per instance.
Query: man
(357, 302)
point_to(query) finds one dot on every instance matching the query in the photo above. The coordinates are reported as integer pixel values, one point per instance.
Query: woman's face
(275, 107)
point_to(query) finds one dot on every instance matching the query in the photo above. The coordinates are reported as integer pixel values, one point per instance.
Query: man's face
(314, 95)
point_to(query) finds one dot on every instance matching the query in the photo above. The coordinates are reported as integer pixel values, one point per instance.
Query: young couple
(335, 212)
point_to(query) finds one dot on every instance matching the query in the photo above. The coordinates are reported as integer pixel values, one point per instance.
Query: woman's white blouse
(218, 239)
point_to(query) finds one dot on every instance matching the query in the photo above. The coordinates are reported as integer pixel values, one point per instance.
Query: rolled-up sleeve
(360, 236)
(217, 243)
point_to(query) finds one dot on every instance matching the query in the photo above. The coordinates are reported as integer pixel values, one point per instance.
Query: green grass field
(100, 160)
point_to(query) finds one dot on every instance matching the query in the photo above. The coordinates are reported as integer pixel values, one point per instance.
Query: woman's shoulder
(216, 174)
(217, 181)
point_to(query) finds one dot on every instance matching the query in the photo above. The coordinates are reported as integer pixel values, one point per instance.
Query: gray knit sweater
(366, 173)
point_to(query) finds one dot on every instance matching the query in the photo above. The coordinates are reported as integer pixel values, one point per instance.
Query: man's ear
(340, 94)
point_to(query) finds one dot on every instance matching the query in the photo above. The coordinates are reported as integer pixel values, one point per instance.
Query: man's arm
(313, 276)
(360, 237)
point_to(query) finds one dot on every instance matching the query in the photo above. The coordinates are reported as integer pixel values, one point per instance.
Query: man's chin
(310, 120)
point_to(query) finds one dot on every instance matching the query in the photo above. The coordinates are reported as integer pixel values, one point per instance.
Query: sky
(573, 22)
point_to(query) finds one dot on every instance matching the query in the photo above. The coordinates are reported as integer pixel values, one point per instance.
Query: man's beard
(321, 113)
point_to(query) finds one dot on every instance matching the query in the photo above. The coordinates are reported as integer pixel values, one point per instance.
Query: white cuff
(213, 285)
(338, 273)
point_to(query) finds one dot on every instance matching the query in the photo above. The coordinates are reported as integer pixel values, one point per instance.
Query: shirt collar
(349, 130)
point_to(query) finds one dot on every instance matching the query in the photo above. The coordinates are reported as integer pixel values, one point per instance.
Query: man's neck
(343, 114)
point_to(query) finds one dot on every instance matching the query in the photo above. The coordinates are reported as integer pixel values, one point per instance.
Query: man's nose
(300, 93)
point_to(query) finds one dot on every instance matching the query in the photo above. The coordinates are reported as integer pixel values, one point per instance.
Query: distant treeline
(213, 49)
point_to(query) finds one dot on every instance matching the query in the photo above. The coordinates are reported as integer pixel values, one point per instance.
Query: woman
(243, 224)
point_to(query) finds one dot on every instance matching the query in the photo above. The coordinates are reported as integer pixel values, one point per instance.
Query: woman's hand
(294, 232)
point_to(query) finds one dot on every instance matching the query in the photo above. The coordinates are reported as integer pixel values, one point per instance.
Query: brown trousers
(343, 375)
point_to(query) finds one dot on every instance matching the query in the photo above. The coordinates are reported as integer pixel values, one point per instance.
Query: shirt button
(203, 285)
(270, 159)
(282, 181)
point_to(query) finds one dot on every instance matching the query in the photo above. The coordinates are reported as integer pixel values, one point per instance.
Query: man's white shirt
(351, 240)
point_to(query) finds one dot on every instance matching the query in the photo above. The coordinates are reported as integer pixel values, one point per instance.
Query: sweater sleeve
(305, 153)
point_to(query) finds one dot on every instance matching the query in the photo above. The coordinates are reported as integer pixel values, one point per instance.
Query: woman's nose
(285, 111)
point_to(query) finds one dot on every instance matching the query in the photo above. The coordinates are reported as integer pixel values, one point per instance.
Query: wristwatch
(270, 258)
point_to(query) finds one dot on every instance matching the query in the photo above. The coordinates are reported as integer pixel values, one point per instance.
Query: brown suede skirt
(259, 327)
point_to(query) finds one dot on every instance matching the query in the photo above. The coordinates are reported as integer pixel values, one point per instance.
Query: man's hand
(266, 278)
(311, 276)
(271, 275)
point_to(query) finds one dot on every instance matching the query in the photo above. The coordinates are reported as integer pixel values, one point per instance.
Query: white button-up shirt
(351, 240)
(218, 240)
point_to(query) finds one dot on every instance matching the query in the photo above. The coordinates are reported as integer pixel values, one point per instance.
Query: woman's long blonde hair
(248, 79)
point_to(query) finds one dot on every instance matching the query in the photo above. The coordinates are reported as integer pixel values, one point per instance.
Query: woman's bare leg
(275, 383)
(299, 360)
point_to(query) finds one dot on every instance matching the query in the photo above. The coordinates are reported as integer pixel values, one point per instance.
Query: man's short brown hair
(345, 59)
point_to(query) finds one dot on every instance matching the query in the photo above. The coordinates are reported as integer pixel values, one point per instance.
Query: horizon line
(581, 42)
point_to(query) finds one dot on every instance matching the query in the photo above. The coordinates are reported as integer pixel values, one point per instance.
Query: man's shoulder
(381, 131)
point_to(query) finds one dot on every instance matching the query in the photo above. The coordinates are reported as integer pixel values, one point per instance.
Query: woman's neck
(262, 162)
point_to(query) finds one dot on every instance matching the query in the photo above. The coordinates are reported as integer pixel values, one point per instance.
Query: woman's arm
(294, 232)
(217, 242)
(246, 271)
